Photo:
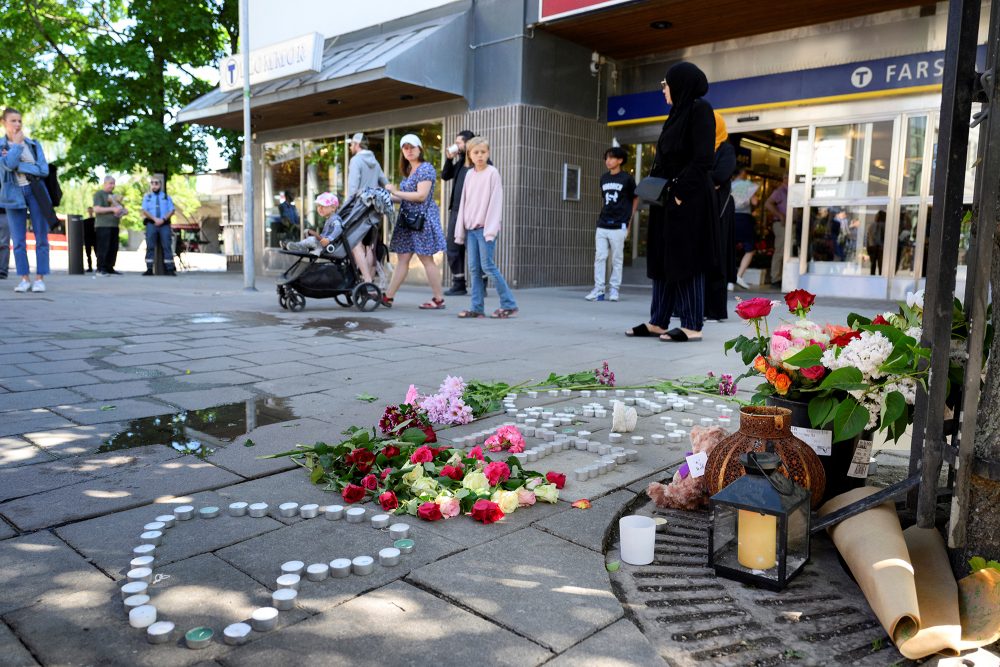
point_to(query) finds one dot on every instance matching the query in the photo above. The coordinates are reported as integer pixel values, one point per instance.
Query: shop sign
(549, 10)
(915, 73)
(277, 61)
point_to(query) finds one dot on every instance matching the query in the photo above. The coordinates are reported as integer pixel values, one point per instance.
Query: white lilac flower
(915, 299)
(866, 354)
(914, 333)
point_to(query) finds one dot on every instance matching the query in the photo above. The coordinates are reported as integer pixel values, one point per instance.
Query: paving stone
(15, 452)
(582, 604)
(124, 409)
(205, 352)
(206, 398)
(425, 631)
(113, 391)
(618, 645)
(50, 381)
(34, 346)
(14, 653)
(77, 343)
(286, 369)
(142, 359)
(146, 348)
(229, 377)
(41, 398)
(274, 357)
(291, 486)
(20, 358)
(206, 365)
(6, 531)
(38, 566)
(131, 373)
(20, 421)
(303, 384)
(271, 439)
(65, 355)
(74, 440)
(62, 366)
(107, 541)
(588, 528)
(124, 488)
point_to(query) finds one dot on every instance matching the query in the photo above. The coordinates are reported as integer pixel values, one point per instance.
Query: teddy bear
(685, 492)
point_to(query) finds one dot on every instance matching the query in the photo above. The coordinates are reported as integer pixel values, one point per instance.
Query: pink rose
(422, 454)
(780, 344)
(813, 372)
(449, 507)
(476, 453)
(525, 497)
(497, 472)
(370, 482)
(493, 443)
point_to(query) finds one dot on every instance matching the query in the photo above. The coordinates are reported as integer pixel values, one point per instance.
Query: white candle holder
(355, 514)
(334, 512)
(340, 568)
(236, 634)
(638, 537)
(389, 557)
(159, 632)
(292, 567)
(363, 565)
(183, 512)
(168, 520)
(288, 510)
(238, 509)
(317, 572)
(208, 512)
(283, 599)
(289, 581)
(264, 619)
(380, 521)
(309, 511)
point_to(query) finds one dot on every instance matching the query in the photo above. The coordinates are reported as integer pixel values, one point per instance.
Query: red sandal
(386, 301)
(433, 304)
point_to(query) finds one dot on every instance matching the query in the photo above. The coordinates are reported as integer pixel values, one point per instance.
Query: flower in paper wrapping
(429, 511)
(422, 454)
(454, 472)
(753, 309)
(352, 493)
(370, 482)
(449, 505)
(915, 299)
(556, 478)
(507, 501)
(415, 473)
(424, 485)
(486, 511)
(799, 300)
(525, 497)
(581, 504)
(388, 501)
(497, 472)
(782, 383)
(476, 481)
(412, 396)
(476, 453)
(547, 493)
(390, 451)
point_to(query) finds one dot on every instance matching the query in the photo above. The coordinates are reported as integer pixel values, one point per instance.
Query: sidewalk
(79, 363)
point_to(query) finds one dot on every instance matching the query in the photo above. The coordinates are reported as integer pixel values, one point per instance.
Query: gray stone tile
(588, 528)
(15, 452)
(618, 645)
(74, 440)
(425, 631)
(27, 348)
(41, 398)
(146, 348)
(202, 352)
(63, 366)
(108, 411)
(77, 343)
(142, 359)
(50, 381)
(141, 339)
(65, 355)
(206, 398)
(286, 369)
(304, 384)
(14, 653)
(218, 377)
(272, 439)
(273, 357)
(107, 541)
(116, 390)
(21, 421)
(578, 601)
(132, 373)
(207, 365)
(19, 358)
(38, 566)
(6, 531)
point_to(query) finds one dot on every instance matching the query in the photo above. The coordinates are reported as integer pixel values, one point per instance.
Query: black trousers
(684, 298)
(106, 248)
(716, 299)
(455, 252)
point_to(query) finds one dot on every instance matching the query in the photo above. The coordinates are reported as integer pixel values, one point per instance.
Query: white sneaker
(613, 295)
(742, 283)
(23, 286)
(595, 294)
(38, 286)
(730, 287)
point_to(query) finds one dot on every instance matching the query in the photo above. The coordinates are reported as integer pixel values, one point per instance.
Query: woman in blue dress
(416, 196)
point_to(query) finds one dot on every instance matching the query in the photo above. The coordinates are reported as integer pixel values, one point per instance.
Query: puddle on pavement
(195, 431)
(208, 318)
(342, 325)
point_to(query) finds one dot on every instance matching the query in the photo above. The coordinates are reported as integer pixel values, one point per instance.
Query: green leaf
(845, 379)
(855, 321)
(849, 420)
(249, 443)
(810, 356)
(414, 436)
(895, 407)
(993, 565)
(105, 408)
(366, 397)
(977, 563)
(317, 474)
(614, 566)
(821, 410)
(321, 448)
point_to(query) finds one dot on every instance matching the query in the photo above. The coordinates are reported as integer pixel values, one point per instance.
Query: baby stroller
(332, 273)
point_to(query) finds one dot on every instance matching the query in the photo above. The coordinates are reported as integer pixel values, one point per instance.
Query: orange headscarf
(721, 133)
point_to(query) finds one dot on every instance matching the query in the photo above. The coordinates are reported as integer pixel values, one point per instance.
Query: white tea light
(140, 574)
(144, 550)
(134, 588)
(283, 599)
(133, 601)
(388, 557)
(238, 509)
(340, 567)
(309, 511)
(288, 510)
(264, 618)
(142, 616)
(141, 561)
(236, 634)
(355, 514)
(154, 525)
(289, 581)
(399, 531)
(292, 567)
(380, 521)
(257, 510)
(153, 537)
(168, 520)
(183, 512)
(334, 512)
(159, 632)
(363, 565)
(208, 512)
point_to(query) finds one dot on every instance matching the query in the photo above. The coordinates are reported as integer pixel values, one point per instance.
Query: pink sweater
(482, 201)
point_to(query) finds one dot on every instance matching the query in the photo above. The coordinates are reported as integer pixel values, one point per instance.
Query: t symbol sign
(861, 77)
(232, 71)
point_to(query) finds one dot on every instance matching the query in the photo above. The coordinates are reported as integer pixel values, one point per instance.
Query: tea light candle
(141, 561)
(380, 521)
(236, 634)
(133, 601)
(520, 417)
(619, 392)
(144, 550)
(159, 632)
(658, 438)
(661, 524)
(707, 421)
(521, 457)
(629, 401)
(309, 511)
(134, 588)
(707, 401)
(283, 599)
(532, 455)
(257, 510)
(388, 557)
(355, 514)
(140, 574)
(620, 458)
(153, 537)
(142, 616)
(168, 520)
(614, 438)
(600, 414)
(340, 568)
(581, 474)
(593, 470)
(604, 450)
(198, 638)
(183, 512)
(588, 412)
(512, 410)
(238, 509)
(725, 422)
(288, 510)
(638, 440)
(289, 581)
(264, 618)
(155, 525)
(632, 454)
(292, 567)
(208, 512)
(553, 392)
(585, 393)
(404, 546)
(680, 407)
(687, 421)
(593, 446)
(581, 444)
(670, 426)
(528, 431)
(532, 394)
(334, 512)
(363, 565)
(399, 531)
(673, 436)
(317, 572)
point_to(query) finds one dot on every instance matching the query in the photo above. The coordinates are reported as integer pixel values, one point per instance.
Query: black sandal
(677, 335)
(641, 331)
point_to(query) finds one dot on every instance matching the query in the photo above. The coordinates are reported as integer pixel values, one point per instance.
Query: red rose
(880, 320)
(845, 338)
(454, 472)
(370, 482)
(390, 451)
(385, 473)
(362, 459)
(800, 301)
(556, 478)
(753, 309)
(476, 453)
(429, 511)
(784, 333)
(388, 501)
(486, 511)
(496, 472)
(422, 455)
(353, 493)
(429, 432)
(813, 372)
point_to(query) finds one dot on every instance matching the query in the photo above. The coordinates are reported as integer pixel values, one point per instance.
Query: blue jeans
(480, 254)
(162, 236)
(18, 220)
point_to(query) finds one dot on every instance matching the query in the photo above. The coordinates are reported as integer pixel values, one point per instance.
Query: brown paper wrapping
(906, 577)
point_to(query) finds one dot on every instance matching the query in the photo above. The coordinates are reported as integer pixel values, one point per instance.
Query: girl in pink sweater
(478, 224)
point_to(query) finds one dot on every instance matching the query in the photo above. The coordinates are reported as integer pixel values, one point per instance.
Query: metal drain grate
(694, 618)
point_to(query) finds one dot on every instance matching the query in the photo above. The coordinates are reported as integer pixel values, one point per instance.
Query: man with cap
(455, 169)
(157, 208)
(363, 171)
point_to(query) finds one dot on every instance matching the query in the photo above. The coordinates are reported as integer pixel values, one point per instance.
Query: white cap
(357, 138)
(411, 139)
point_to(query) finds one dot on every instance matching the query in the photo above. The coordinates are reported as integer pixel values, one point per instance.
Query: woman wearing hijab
(716, 287)
(682, 245)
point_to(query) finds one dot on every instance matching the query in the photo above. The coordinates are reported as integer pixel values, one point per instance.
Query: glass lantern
(760, 525)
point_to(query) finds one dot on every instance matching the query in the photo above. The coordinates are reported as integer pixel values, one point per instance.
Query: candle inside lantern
(757, 536)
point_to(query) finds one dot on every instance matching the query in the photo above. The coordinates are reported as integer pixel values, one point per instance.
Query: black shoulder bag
(413, 221)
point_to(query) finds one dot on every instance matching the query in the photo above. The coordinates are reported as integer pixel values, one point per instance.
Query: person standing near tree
(455, 169)
(157, 209)
(107, 217)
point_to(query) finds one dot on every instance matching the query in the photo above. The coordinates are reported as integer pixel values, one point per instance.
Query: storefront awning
(359, 75)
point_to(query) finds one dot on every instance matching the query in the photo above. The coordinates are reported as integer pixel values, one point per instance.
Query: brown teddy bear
(685, 492)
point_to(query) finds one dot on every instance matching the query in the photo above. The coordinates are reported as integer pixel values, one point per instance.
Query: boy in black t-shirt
(613, 224)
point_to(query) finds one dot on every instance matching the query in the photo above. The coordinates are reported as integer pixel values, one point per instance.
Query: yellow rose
(414, 475)
(476, 481)
(547, 492)
(424, 485)
(507, 500)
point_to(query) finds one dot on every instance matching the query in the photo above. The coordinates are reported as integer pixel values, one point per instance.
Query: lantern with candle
(760, 525)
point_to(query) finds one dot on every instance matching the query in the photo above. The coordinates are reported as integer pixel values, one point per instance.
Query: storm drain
(693, 617)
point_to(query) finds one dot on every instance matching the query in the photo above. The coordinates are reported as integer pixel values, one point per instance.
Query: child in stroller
(314, 243)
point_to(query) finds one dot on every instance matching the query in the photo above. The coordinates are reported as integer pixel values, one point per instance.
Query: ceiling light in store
(661, 25)
(780, 131)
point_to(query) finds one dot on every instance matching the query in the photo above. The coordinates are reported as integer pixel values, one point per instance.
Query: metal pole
(249, 270)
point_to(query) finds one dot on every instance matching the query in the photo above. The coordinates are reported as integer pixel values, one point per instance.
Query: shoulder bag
(411, 220)
(653, 190)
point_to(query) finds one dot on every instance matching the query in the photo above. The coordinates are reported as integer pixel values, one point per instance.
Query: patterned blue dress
(430, 239)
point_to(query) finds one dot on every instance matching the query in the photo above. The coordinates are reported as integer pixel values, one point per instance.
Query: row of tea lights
(141, 614)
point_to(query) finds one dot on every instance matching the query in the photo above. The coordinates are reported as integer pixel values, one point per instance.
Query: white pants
(609, 241)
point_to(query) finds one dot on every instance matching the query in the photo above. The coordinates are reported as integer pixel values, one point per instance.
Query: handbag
(653, 190)
(413, 221)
